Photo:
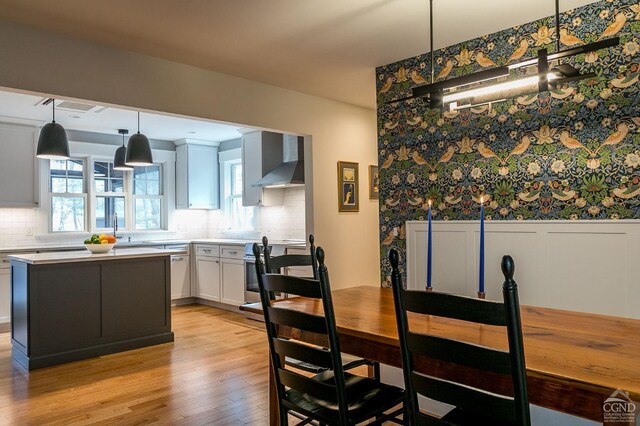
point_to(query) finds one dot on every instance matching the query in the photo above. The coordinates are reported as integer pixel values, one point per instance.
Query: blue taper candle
(429, 251)
(481, 277)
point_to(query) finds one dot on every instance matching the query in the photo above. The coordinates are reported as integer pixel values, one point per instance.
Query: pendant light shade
(139, 149)
(120, 158)
(52, 142)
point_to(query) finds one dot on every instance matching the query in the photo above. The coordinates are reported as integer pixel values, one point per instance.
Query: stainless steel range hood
(291, 171)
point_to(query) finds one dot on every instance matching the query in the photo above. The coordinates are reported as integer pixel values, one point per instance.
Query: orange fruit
(111, 239)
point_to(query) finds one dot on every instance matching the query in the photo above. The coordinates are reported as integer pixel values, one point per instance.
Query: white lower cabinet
(5, 296)
(208, 278)
(232, 278)
(180, 276)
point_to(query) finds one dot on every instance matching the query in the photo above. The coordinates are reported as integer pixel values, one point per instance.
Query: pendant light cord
(54, 111)
(431, 39)
(138, 121)
(557, 25)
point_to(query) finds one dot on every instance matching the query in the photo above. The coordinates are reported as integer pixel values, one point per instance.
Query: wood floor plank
(214, 372)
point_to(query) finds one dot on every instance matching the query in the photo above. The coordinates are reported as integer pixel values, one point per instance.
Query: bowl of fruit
(100, 243)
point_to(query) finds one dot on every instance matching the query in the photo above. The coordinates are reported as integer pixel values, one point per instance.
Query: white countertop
(87, 256)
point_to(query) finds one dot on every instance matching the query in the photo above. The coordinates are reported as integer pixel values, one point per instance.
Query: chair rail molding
(586, 266)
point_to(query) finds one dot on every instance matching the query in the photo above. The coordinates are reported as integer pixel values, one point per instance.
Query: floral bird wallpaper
(570, 153)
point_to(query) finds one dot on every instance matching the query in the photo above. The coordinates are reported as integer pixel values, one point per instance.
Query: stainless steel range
(251, 290)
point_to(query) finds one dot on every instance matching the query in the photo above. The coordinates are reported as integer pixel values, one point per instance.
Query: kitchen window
(237, 217)
(68, 195)
(147, 197)
(135, 197)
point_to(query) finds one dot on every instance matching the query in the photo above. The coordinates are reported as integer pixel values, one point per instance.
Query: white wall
(62, 66)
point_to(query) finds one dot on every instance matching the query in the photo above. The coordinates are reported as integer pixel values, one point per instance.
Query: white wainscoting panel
(587, 266)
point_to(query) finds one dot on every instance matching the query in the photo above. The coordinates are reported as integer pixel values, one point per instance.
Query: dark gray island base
(71, 308)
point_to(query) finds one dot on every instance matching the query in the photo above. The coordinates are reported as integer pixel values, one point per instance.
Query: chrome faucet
(115, 224)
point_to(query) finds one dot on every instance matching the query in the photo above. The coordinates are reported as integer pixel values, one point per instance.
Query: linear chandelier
(495, 85)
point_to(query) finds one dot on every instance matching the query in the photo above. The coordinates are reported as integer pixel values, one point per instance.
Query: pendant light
(139, 149)
(121, 154)
(52, 142)
(494, 85)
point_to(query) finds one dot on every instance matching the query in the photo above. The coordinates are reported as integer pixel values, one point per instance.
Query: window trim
(89, 152)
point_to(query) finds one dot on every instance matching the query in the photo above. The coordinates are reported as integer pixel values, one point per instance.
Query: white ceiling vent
(73, 106)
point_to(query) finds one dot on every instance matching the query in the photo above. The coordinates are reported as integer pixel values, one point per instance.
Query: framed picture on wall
(374, 183)
(348, 191)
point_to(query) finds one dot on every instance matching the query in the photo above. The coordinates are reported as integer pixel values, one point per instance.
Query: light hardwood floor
(214, 373)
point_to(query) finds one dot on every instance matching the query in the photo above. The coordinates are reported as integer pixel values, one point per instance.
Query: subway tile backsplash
(19, 227)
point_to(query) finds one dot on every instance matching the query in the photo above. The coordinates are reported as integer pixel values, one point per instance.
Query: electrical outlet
(182, 227)
(29, 231)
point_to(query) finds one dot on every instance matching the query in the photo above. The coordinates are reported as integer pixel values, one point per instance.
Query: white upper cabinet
(18, 166)
(197, 176)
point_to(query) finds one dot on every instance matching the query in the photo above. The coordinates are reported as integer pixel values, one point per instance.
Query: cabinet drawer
(208, 250)
(232, 252)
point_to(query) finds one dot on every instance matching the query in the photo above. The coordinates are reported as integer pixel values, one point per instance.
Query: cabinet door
(208, 278)
(180, 277)
(197, 177)
(232, 273)
(5, 295)
(251, 168)
(18, 171)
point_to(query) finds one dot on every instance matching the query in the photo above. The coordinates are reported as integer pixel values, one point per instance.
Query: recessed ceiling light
(74, 116)
(192, 132)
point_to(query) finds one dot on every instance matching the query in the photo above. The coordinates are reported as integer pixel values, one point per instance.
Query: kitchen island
(68, 306)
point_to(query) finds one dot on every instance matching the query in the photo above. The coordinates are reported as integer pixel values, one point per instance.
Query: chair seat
(461, 417)
(365, 397)
(348, 362)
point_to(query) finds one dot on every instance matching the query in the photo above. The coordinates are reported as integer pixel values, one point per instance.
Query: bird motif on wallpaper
(626, 81)
(613, 139)
(483, 61)
(387, 162)
(453, 199)
(389, 238)
(387, 85)
(519, 149)
(530, 196)
(613, 29)
(520, 51)
(563, 195)
(418, 158)
(479, 109)
(569, 39)
(391, 125)
(444, 72)
(414, 121)
(527, 99)
(629, 192)
(562, 93)
(417, 78)
(414, 201)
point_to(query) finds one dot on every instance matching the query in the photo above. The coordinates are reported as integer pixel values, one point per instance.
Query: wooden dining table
(574, 360)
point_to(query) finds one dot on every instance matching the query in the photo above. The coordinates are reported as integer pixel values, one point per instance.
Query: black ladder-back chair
(473, 406)
(332, 397)
(275, 265)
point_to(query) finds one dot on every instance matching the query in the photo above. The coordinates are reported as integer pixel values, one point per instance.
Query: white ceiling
(328, 48)
(26, 109)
